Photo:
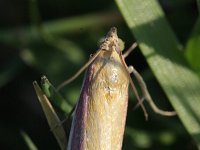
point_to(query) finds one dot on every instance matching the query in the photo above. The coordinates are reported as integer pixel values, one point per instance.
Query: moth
(100, 114)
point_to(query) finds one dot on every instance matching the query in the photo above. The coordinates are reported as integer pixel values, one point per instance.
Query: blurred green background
(55, 38)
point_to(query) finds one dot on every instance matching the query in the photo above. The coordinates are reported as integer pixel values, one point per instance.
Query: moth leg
(67, 119)
(133, 46)
(138, 104)
(146, 94)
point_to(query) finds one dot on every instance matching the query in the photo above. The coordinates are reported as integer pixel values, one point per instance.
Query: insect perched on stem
(100, 114)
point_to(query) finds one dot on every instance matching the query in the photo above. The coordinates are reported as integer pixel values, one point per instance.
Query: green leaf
(52, 118)
(162, 50)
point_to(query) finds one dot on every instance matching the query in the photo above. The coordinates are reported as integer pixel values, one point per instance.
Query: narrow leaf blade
(28, 141)
(52, 118)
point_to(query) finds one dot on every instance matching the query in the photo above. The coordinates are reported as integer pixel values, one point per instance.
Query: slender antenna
(134, 89)
(79, 71)
(133, 46)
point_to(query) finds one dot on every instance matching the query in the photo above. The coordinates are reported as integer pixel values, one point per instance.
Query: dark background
(25, 58)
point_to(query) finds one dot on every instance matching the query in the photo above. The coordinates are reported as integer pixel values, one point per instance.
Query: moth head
(111, 40)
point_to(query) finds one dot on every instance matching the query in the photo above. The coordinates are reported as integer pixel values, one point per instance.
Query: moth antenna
(78, 72)
(147, 96)
(133, 46)
(134, 89)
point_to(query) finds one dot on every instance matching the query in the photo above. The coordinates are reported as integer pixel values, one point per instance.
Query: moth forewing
(100, 114)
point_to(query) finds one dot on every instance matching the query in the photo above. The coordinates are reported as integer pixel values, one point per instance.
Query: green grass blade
(54, 96)
(28, 141)
(52, 118)
(59, 27)
(161, 48)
